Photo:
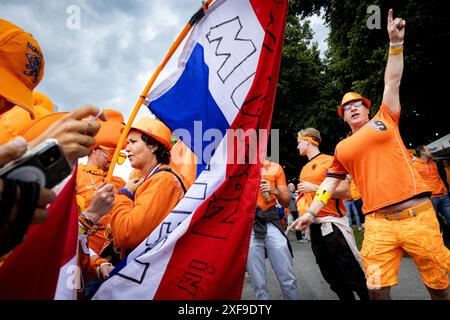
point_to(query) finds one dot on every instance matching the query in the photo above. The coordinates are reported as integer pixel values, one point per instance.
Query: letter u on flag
(224, 89)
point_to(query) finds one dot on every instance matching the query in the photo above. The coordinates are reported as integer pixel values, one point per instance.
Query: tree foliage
(310, 88)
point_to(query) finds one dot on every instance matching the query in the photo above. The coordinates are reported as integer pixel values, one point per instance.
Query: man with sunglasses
(399, 214)
(91, 177)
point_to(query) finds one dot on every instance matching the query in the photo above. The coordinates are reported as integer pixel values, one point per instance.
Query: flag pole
(194, 19)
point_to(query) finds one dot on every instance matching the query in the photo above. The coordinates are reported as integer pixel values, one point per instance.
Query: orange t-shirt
(273, 173)
(314, 172)
(379, 163)
(447, 173)
(429, 172)
(354, 191)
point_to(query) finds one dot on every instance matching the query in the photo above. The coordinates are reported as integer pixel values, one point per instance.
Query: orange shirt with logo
(314, 172)
(273, 173)
(429, 172)
(379, 163)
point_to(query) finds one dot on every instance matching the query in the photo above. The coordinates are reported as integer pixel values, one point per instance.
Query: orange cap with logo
(110, 130)
(349, 97)
(155, 129)
(21, 65)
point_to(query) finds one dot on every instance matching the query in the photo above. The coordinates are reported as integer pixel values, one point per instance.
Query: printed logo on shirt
(377, 125)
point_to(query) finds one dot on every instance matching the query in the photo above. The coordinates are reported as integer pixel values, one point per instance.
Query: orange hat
(38, 126)
(42, 104)
(349, 97)
(155, 129)
(110, 130)
(21, 65)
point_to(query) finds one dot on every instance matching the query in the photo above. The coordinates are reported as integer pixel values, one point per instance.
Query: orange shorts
(384, 243)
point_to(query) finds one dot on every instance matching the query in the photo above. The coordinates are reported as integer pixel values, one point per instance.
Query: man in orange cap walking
(399, 214)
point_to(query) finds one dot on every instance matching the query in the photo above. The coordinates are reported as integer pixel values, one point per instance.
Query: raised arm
(394, 67)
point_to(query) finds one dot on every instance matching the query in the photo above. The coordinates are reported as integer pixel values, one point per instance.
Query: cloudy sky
(108, 58)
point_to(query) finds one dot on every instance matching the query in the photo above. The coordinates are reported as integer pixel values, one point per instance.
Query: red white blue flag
(44, 265)
(222, 92)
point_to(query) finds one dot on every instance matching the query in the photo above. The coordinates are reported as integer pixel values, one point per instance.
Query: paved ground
(313, 287)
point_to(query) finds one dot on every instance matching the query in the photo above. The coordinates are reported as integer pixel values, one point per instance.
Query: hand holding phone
(44, 164)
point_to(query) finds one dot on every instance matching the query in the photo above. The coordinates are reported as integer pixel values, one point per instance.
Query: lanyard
(153, 171)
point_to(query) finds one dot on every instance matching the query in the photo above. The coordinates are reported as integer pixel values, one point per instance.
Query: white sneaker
(360, 228)
(304, 241)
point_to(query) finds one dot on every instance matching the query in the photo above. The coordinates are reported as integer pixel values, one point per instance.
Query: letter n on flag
(226, 79)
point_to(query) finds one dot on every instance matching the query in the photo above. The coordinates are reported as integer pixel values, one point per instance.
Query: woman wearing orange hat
(399, 214)
(141, 206)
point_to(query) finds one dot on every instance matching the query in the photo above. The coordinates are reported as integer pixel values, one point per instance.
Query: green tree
(357, 57)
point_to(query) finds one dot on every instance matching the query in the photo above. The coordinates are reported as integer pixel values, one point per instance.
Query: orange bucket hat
(21, 65)
(349, 97)
(155, 129)
(110, 130)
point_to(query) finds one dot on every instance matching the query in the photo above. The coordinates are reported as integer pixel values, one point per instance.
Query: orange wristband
(395, 51)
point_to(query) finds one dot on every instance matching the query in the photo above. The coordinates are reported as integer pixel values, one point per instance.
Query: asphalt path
(312, 286)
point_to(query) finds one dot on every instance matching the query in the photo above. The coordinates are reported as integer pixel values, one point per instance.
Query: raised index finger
(390, 13)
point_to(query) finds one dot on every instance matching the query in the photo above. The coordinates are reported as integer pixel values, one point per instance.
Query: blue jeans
(351, 209)
(442, 206)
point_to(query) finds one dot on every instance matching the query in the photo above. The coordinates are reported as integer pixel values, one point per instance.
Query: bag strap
(173, 172)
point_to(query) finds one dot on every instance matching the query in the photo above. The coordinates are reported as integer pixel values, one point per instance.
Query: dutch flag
(226, 79)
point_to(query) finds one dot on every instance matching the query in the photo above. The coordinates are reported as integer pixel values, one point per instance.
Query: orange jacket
(133, 221)
(429, 172)
(89, 179)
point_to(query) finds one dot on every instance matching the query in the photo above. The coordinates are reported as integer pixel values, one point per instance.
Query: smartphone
(45, 164)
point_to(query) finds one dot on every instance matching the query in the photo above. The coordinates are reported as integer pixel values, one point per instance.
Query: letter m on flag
(226, 80)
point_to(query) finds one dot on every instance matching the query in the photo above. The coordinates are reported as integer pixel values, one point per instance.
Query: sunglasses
(109, 152)
(348, 106)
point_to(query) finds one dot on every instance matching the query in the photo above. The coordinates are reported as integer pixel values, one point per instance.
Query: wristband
(311, 213)
(127, 192)
(395, 51)
(322, 196)
(396, 44)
